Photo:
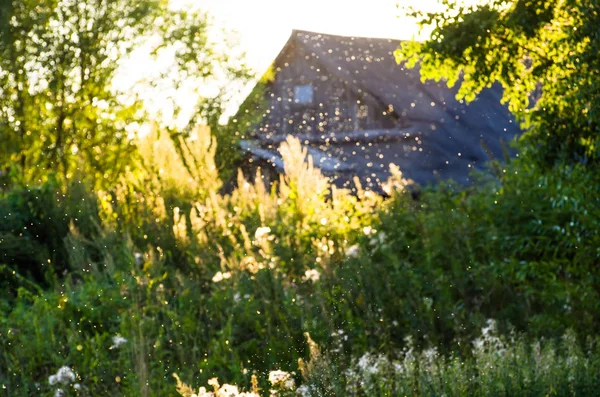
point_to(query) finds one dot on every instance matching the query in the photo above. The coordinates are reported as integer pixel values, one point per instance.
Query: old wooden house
(358, 111)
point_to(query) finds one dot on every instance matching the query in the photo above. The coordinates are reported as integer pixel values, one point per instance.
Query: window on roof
(361, 119)
(362, 112)
(303, 94)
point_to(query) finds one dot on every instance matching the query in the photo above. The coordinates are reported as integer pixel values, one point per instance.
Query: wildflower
(430, 354)
(281, 379)
(352, 251)
(368, 230)
(491, 327)
(262, 232)
(489, 339)
(364, 363)
(139, 258)
(228, 391)
(312, 275)
(276, 377)
(379, 240)
(249, 263)
(398, 368)
(289, 384)
(118, 340)
(220, 276)
(203, 393)
(303, 391)
(214, 382)
(59, 393)
(64, 375)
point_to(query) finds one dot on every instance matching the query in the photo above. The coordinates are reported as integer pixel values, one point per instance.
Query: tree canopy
(543, 52)
(60, 111)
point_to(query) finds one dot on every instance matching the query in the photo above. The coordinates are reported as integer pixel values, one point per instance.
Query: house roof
(450, 137)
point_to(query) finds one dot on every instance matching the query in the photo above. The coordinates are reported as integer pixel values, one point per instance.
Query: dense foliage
(63, 112)
(110, 285)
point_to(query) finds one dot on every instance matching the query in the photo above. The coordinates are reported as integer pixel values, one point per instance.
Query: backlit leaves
(544, 53)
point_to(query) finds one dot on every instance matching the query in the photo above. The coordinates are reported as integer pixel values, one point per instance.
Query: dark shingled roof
(446, 138)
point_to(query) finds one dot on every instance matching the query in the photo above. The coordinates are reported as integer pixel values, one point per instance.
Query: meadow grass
(112, 292)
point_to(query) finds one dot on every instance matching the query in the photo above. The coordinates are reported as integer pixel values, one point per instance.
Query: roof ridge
(334, 35)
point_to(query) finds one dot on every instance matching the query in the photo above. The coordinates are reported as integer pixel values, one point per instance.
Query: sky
(264, 26)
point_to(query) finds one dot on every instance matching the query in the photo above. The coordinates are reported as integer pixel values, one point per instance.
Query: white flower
(59, 393)
(262, 232)
(364, 362)
(220, 276)
(118, 340)
(379, 240)
(399, 368)
(203, 393)
(312, 275)
(430, 354)
(278, 376)
(368, 230)
(77, 386)
(352, 251)
(369, 364)
(64, 375)
(489, 339)
(281, 379)
(228, 391)
(289, 384)
(303, 391)
(491, 327)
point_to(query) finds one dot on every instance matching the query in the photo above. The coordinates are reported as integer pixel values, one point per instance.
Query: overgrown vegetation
(206, 285)
(112, 285)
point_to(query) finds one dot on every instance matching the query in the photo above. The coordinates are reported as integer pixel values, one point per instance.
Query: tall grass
(208, 285)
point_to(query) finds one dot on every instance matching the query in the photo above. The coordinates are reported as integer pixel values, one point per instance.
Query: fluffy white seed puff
(118, 340)
(352, 251)
(220, 276)
(312, 275)
(65, 375)
(262, 232)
